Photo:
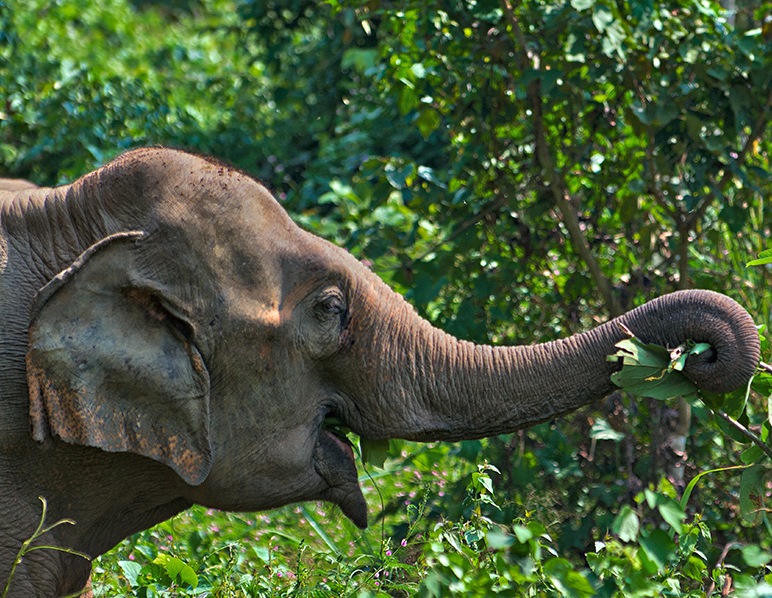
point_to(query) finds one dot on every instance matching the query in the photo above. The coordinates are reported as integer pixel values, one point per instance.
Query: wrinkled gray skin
(168, 336)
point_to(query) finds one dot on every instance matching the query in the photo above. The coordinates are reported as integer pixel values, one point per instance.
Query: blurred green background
(520, 171)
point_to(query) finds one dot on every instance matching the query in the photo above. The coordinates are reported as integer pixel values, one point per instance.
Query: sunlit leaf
(753, 493)
(626, 524)
(672, 512)
(602, 430)
(566, 579)
(582, 4)
(130, 570)
(428, 120)
(646, 371)
(765, 257)
(374, 452)
(755, 556)
(176, 568)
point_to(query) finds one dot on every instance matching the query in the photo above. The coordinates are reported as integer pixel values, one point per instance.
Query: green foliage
(652, 371)
(518, 170)
(650, 548)
(765, 257)
(84, 81)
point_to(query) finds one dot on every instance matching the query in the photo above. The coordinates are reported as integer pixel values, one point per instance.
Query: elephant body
(169, 336)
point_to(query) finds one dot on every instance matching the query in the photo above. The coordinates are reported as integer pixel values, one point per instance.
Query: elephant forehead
(243, 252)
(233, 206)
(251, 317)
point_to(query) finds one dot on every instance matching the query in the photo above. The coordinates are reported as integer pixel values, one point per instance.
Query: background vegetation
(520, 171)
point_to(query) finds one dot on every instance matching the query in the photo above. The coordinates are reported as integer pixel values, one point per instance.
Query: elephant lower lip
(345, 446)
(334, 463)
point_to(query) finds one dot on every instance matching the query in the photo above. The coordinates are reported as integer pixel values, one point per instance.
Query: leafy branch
(527, 58)
(651, 370)
(754, 438)
(27, 545)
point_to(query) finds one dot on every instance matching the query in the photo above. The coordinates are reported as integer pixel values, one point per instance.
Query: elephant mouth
(334, 427)
(343, 443)
(334, 462)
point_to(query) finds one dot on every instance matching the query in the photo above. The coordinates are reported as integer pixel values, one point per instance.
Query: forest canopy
(520, 171)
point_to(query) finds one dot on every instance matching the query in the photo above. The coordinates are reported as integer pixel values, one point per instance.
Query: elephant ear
(110, 366)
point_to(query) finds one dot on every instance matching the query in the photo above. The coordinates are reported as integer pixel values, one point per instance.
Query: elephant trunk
(431, 386)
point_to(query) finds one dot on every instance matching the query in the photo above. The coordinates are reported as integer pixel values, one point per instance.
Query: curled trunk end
(703, 317)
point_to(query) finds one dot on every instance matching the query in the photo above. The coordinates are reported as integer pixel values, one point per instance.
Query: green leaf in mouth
(371, 452)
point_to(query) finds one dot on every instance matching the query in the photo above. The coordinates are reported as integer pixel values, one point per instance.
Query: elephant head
(181, 317)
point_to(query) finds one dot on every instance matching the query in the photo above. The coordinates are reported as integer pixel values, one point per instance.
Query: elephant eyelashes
(330, 305)
(329, 316)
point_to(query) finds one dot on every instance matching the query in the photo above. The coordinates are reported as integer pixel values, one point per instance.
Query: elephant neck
(42, 231)
(45, 230)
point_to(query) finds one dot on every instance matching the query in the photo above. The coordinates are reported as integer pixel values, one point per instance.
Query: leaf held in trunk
(652, 371)
(648, 370)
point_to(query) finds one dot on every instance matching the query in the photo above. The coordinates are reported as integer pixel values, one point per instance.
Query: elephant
(170, 337)
(16, 185)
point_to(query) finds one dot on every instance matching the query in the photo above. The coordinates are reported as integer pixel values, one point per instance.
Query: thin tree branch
(745, 432)
(683, 252)
(525, 59)
(756, 132)
(720, 563)
(526, 55)
(582, 247)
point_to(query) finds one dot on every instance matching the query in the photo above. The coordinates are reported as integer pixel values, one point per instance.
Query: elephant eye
(323, 322)
(330, 304)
